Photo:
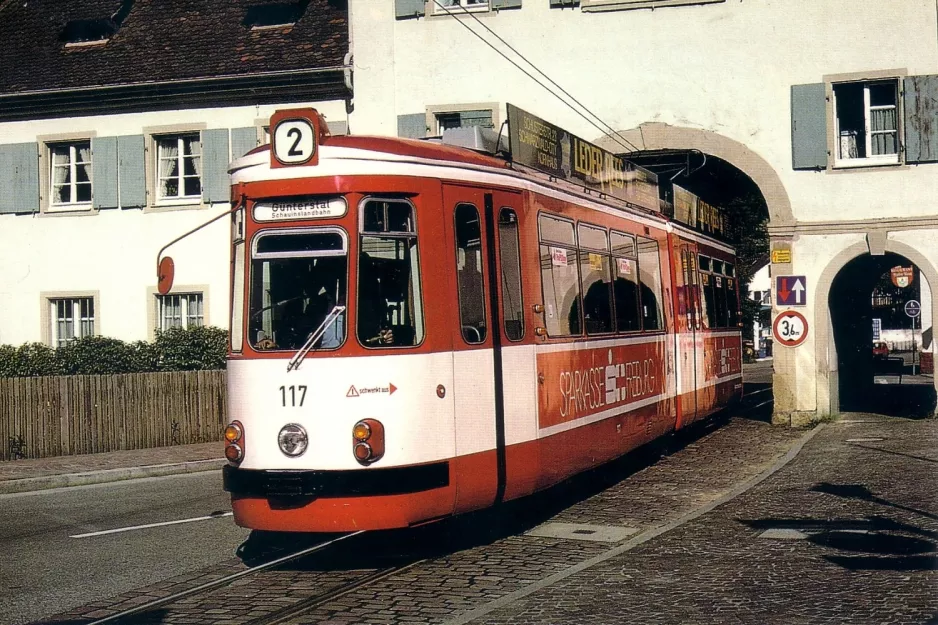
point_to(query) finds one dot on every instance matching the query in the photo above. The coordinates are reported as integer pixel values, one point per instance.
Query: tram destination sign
(548, 148)
(287, 209)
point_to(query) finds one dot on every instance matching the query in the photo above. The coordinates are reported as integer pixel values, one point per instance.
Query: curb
(64, 480)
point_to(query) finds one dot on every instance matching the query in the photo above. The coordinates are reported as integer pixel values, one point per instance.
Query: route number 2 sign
(790, 328)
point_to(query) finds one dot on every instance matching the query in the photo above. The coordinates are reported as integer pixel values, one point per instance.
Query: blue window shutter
(921, 119)
(404, 9)
(476, 118)
(131, 171)
(243, 140)
(215, 165)
(809, 126)
(19, 178)
(506, 4)
(412, 126)
(104, 172)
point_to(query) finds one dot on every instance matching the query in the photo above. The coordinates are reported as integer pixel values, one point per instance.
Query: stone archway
(828, 400)
(658, 136)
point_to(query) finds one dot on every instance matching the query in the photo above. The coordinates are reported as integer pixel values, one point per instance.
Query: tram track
(131, 615)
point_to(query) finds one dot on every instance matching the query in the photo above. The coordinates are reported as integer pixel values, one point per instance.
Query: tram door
(687, 334)
(479, 332)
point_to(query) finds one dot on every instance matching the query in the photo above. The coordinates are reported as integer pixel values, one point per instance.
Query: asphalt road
(44, 570)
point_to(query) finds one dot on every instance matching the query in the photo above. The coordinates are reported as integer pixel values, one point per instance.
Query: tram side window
(390, 308)
(732, 298)
(650, 274)
(625, 283)
(471, 290)
(559, 278)
(596, 279)
(706, 290)
(719, 290)
(512, 306)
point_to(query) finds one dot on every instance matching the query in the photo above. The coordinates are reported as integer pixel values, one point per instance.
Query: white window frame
(184, 310)
(170, 200)
(433, 114)
(73, 147)
(870, 160)
(461, 6)
(627, 5)
(77, 319)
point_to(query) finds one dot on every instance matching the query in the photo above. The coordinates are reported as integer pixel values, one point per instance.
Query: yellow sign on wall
(781, 256)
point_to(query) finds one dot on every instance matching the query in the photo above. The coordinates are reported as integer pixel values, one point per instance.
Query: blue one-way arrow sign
(790, 290)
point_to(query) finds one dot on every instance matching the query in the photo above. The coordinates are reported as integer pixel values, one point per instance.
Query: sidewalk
(17, 476)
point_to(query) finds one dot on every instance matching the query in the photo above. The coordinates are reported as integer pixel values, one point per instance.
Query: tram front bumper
(353, 483)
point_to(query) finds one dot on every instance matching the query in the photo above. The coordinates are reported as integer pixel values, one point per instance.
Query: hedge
(175, 349)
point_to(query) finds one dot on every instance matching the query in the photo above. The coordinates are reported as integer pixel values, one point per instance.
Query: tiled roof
(161, 40)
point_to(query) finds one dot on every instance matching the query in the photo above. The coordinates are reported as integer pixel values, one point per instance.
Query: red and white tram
(421, 330)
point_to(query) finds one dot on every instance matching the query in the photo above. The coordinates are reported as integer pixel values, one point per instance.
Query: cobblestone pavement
(846, 533)
(459, 565)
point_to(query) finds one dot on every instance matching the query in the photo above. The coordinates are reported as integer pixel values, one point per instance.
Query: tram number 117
(294, 393)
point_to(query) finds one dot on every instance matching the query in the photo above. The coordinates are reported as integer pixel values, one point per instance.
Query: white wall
(114, 251)
(727, 68)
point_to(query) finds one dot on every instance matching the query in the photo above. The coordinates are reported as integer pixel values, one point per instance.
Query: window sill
(457, 11)
(69, 209)
(163, 206)
(861, 163)
(589, 6)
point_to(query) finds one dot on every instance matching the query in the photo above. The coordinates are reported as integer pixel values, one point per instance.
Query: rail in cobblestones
(278, 616)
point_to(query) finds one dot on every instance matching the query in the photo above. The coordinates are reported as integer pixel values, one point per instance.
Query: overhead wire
(608, 131)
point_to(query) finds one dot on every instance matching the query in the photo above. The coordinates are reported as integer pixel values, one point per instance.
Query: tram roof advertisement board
(548, 148)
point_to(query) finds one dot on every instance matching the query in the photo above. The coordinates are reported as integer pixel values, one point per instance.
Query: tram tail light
(234, 442)
(368, 441)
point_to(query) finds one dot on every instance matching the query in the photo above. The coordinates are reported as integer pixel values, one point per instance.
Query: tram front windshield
(297, 279)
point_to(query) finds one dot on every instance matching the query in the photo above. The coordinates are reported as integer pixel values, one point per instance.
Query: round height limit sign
(790, 328)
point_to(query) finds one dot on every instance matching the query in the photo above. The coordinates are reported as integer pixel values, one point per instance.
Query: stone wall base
(796, 419)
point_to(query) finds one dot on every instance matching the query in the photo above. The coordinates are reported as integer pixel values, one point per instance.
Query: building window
(463, 119)
(866, 115)
(459, 6)
(179, 167)
(72, 318)
(180, 311)
(70, 175)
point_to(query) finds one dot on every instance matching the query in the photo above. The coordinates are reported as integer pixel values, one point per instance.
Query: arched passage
(843, 323)
(658, 136)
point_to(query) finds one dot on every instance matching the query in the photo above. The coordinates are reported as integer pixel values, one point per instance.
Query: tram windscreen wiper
(314, 336)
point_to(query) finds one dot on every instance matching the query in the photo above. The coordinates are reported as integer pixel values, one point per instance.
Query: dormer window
(88, 32)
(97, 30)
(276, 15)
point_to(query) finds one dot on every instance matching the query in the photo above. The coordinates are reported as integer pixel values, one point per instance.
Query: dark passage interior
(884, 380)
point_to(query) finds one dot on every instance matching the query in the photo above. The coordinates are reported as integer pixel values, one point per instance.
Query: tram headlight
(234, 442)
(293, 440)
(368, 441)
(233, 432)
(234, 453)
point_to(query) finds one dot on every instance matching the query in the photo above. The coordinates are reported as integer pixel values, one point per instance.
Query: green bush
(192, 349)
(174, 350)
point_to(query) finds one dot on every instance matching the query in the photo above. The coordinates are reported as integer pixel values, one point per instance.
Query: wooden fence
(85, 414)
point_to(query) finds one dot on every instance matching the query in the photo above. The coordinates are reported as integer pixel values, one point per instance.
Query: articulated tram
(422, 329)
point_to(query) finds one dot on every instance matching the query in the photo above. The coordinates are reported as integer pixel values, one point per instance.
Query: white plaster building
(829, 107)
(118, 119)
